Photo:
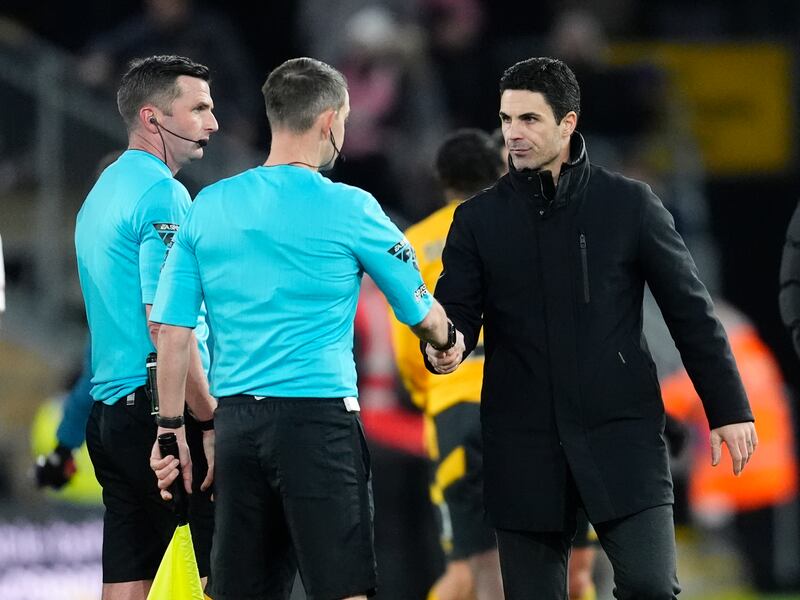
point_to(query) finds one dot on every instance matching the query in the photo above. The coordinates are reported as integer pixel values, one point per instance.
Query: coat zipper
(584, 267)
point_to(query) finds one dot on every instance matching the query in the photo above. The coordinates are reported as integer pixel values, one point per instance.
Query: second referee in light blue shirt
(277, 253)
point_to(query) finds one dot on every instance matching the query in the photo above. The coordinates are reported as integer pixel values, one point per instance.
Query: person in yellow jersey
(466, 163)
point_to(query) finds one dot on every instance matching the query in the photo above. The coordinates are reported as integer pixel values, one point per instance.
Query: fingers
(738, 455)
(741, 440)
(716, 448)
(208, 480)
(165, 469)
(749, 443)
(186, 472)
(166, 479)
(444, 362)
(742, 446)
(155, 454)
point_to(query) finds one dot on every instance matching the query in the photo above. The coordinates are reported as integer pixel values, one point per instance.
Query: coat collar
(539, 184)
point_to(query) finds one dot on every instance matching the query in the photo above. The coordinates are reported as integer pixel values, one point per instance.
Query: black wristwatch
(451, 338)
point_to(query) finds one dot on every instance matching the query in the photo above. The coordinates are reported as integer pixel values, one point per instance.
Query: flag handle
(168, 444)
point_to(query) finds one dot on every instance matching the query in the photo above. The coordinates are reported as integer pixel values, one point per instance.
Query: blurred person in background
(2, 282)
(186, 28)
(280, 276)
(789, 295)
(466, 163)
(460, 54)
(396, 108)
(406, 544)
(123, 233)
(57, 468)
(571, 412)
(618, 127)
(762, 502)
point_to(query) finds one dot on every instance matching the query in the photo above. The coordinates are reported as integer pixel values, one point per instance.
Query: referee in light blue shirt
(277, 254)
(123, 232)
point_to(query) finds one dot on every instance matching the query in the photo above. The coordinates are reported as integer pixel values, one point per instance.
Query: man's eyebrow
(523, 115)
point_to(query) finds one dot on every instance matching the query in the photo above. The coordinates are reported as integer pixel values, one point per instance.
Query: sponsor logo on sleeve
(404, 251)
(420, 292)
(166, 231)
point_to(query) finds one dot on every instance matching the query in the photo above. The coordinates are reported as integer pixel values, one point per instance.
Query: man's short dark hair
(468, 161)
(154, 80)
(301, 89)
(551, 77)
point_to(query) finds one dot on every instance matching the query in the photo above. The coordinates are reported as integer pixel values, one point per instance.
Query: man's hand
(447, 361)
(741, 440)
(166, 468)
(208, 450)
(55, 469)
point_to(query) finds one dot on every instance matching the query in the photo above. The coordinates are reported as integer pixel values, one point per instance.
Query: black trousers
(641, 548)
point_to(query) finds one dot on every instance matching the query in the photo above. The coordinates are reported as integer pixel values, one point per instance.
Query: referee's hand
(447, 361)
(208, 449)
(166, 468)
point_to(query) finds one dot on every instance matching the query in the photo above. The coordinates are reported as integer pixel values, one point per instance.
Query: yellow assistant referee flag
(177, 577)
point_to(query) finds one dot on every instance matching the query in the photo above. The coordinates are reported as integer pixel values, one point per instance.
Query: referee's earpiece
(153, 120)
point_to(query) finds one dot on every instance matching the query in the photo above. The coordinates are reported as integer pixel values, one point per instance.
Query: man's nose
(212, 125)
(513, 130)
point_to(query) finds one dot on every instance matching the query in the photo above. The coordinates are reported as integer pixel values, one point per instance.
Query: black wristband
(451, 338)
(169, 422)
(63, 452)
(206, 425)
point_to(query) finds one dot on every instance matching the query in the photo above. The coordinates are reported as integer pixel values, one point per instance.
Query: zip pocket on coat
(584, 267)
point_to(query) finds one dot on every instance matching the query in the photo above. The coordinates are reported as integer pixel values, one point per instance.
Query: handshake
(55, 469)
(446, 360)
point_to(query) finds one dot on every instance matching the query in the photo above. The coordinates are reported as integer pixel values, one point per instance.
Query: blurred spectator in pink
(396, 109)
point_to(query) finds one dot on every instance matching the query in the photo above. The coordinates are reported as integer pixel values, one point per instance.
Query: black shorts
(138, 524)
(293, 491)
(457, 483)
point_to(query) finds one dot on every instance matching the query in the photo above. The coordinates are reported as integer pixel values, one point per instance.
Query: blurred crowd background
(699, 99)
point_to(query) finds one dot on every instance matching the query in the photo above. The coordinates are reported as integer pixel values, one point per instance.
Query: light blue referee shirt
(277, 253)
(123, 232)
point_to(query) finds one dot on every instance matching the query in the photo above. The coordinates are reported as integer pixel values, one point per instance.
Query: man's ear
(148, 119)
(569, 123)
(325, 122)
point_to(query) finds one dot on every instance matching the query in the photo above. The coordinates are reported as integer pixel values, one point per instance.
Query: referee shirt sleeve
(390, 260)
(180, 293)
(156, 220)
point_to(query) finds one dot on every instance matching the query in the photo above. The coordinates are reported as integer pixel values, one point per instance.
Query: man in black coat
(552, 261)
